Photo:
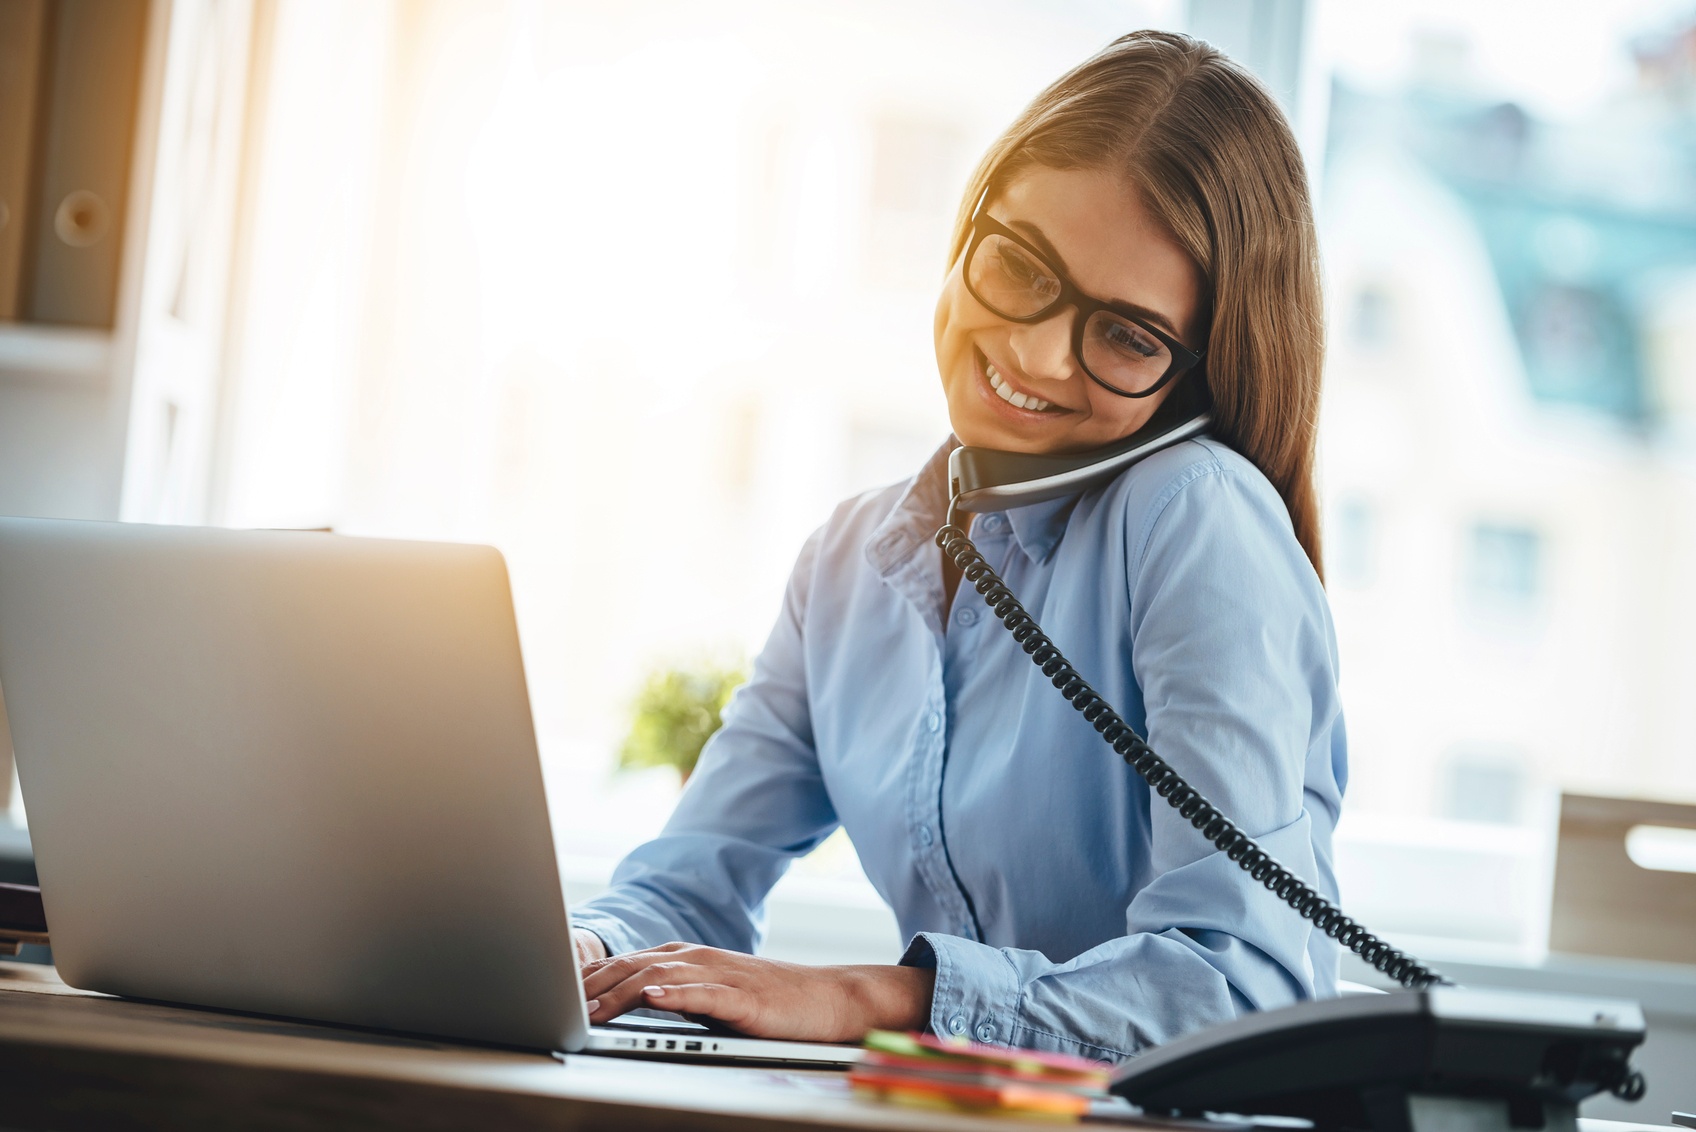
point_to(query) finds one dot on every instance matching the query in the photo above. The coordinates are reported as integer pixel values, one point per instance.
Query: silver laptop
(295, 774)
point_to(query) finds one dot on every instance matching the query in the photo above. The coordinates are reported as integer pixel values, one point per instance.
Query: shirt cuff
(612, 933)
(977, 989)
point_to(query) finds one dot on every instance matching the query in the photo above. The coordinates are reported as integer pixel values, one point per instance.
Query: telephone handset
(983, 479)
(1433, 1055)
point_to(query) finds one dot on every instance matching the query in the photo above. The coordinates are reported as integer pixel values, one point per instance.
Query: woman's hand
(761, 997)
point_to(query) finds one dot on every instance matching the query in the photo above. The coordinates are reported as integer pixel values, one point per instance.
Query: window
(1354, 543)
(1372, 320)
(1504, 567)
(445, 338)
(438, 341)
(1484, 785)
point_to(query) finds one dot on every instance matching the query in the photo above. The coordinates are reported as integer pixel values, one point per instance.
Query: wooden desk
(73, 1060)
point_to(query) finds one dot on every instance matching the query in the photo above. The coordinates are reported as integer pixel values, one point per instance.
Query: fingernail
(654, 992)
(592, 1005)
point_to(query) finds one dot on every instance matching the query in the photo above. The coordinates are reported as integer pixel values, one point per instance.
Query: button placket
(951, 896)
(925, 774)
(929, 753)
(954, 903)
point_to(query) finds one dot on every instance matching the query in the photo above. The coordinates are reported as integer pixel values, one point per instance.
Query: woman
(1048, 903)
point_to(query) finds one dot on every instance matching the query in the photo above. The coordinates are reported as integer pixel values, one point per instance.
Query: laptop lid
(288, 773)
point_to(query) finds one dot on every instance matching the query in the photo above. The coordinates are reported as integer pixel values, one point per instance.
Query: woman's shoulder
(895, 511)
(1201, 483)
(1152, 483)
(858, 517)
(859, 532)
(1200, 477)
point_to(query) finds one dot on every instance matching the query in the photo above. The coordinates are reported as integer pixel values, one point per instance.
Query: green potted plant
(676, 712)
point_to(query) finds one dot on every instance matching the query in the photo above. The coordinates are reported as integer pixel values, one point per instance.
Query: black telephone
(1432, 1056)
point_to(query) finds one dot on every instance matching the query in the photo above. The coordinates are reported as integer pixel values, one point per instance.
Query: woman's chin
(1001, 442)
(976, 434)
(980, 428)
(978, 425)
(996, 434)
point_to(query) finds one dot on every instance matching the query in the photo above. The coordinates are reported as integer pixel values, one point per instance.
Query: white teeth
(1005, 392)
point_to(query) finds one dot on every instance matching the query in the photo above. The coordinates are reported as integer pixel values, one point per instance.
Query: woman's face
(1095, 228)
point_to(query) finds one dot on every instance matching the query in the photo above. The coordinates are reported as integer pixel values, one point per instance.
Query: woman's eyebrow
(1047, 249)
(1041, 241)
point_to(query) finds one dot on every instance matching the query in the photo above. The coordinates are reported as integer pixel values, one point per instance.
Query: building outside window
(1503, 567)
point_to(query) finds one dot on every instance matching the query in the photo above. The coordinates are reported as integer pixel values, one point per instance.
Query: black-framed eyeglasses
(1114, 345)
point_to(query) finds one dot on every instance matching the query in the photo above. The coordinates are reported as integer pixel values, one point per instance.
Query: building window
(1484, 785)
(1504, 568)
(1372, 322)
(1354, 543)
(1581, 348)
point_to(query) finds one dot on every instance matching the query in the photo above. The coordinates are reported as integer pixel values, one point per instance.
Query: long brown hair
(1215, 161)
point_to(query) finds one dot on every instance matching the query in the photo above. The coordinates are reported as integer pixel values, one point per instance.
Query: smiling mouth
(1014, 398)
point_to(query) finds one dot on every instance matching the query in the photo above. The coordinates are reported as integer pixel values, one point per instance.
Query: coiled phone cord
(1166, 782)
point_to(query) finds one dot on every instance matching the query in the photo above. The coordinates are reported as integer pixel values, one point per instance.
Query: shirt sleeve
(1232, 649)
(755, 802)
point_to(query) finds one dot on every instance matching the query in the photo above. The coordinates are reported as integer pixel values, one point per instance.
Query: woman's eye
(1129, 336)
(1020, 270)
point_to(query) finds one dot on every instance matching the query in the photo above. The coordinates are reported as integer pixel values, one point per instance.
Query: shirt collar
(923, 508)
(916, 516)
(1037, 527)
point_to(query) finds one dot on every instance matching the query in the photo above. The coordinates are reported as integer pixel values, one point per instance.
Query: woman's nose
(1044, 349)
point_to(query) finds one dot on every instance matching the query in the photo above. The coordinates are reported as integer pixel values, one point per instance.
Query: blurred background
(637, 292)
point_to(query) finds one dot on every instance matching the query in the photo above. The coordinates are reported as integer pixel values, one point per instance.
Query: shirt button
(966, 616)
(986, 1031)
(957, 1024)
(933, 721)
(992, 522)
(925, 836)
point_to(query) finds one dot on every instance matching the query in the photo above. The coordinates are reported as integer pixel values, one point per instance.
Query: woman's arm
(684, 911)
(755, 802)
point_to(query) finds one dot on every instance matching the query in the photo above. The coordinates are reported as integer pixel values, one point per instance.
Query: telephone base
(1437, 1060)
(1395, 1111)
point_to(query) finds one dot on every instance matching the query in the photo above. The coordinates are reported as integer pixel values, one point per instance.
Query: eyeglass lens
(1015, 284)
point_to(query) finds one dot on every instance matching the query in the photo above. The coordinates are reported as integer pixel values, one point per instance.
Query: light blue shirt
(1061, 909)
